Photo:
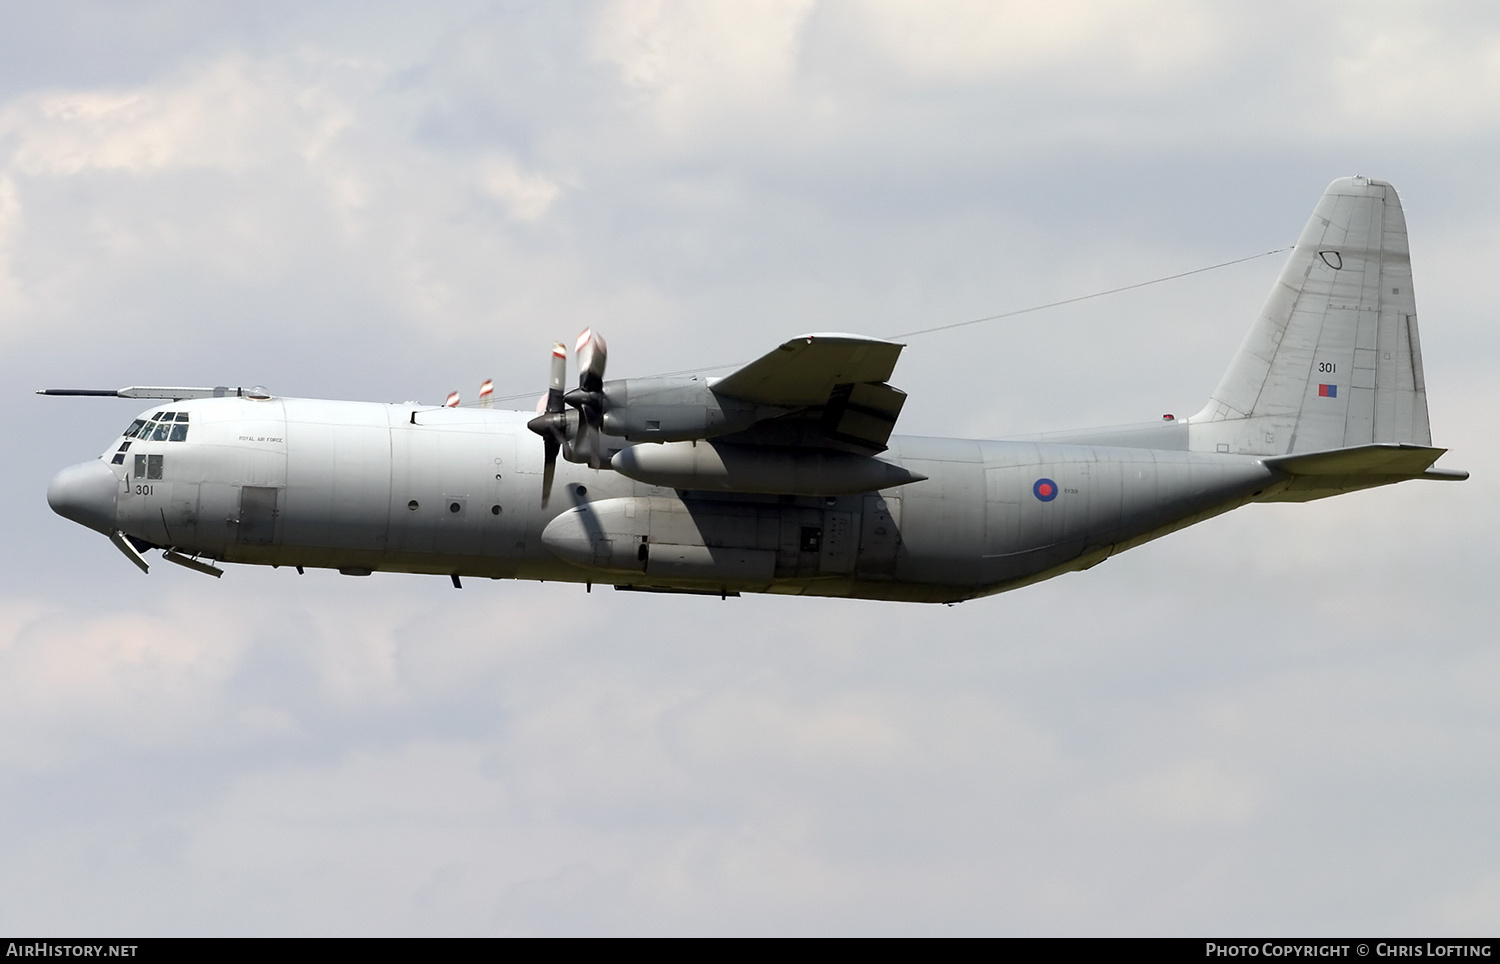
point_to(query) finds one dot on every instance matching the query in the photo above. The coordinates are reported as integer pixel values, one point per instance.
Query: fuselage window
(153, 466)
(140, 466)
(119, 459)
(160, 433)
(125, 446)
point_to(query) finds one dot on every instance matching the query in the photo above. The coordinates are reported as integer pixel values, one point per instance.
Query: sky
(1284, 721)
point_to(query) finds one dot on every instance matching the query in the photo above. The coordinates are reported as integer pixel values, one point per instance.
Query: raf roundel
(1044, 489)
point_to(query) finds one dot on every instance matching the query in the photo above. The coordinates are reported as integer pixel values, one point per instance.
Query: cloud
(12, 301)
(234, 115)
(300, 170)
(134, 679)
(526, 196)
(696, 62)
(972, 41)
(1192, 793)
(1403, 69)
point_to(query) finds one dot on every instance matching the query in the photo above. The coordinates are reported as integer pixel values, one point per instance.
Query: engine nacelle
(670, 409)
(725, 467)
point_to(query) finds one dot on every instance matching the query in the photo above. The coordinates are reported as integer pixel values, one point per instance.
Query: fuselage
(365, 487)
(768, 479)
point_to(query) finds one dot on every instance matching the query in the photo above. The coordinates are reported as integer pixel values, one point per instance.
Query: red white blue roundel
(1044, 489)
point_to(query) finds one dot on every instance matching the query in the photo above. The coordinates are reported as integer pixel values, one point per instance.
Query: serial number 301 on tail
(785, 475)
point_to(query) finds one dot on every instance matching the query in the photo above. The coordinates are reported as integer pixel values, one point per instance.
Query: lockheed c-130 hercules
(783, 476)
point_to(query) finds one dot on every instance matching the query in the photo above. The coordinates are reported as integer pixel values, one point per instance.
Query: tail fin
(1333, 360)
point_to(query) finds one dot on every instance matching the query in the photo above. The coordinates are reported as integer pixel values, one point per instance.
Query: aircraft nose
(85, 493)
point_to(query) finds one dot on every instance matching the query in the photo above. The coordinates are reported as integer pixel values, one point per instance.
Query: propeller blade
(588, 398)
(586, 442)
(559, 377)
(551, 422)
(549, 469)
(553, 428)
(592, 354)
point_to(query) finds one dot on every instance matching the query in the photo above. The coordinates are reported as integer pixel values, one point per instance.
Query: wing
(835, 385)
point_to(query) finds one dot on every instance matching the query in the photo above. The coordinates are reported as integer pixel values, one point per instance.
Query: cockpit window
(161, 427)
(148, 466)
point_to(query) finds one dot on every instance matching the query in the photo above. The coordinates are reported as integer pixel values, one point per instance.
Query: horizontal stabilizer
(1378, 459)
(1317, 475)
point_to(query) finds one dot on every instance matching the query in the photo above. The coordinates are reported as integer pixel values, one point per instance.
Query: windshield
(161, 427)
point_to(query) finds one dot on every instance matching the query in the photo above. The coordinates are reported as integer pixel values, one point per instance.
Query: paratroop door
(257, 515)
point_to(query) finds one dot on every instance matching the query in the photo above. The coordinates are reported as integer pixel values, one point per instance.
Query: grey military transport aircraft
(783, 476)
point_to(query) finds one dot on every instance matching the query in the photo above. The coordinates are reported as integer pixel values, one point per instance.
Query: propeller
(552, 422)
(588, 398)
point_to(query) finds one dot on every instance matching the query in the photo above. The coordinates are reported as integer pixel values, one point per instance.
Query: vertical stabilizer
(1333, 359)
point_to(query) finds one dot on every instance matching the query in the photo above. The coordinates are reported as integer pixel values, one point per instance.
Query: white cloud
(526, 196)
(12, 300)
(695, 62)
(133, 679)
(1403, 68)
(233, 115)
(1195, 792)
(975, 40)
